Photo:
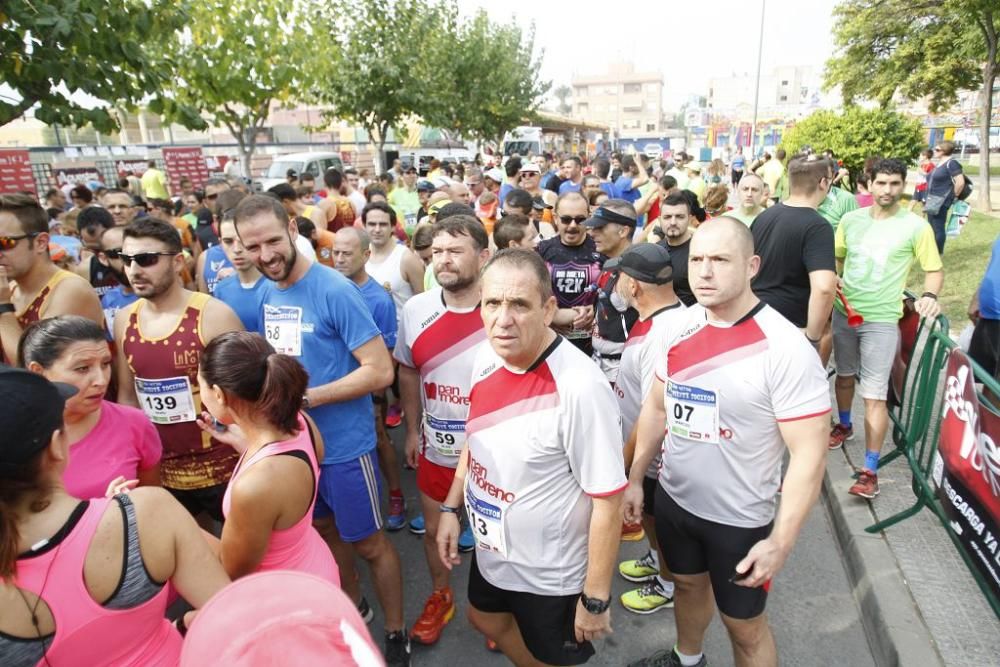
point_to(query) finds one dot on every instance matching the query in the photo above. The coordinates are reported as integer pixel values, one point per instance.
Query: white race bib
(446, 436)
(283, 329)
(487, 521)
(692, 413)
(166, 401)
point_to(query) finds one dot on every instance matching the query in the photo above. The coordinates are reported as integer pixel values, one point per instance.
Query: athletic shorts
(207, 500)
(984, 348)
(692, 545)
(866, 351)
(350, 491)
(434, 480)
(546, 622)
(649, 487)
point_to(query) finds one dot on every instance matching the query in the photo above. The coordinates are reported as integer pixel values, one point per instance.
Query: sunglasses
(529, 173)
(215, 196)
(937, 150)
(10, 242)
(113, 253)
(144, 259)
(570, 219)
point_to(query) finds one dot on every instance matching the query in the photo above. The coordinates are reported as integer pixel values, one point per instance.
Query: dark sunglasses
(569, 219)
(113, 253)
(144, 259)
(10, 242)
(215, 196)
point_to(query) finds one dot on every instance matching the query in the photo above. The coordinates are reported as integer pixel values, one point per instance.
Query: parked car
(314, 163)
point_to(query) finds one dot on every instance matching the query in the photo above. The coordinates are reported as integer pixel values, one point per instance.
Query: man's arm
(413, 271)
(126, 380)
(448, 528)
(646, 202)
(822, 290)
(928, 306)
(602, 545)
(75, 297)
(959, 183)
(374, 374)
(217, 319)
(807, 446)
(200, 273)
(648, 441)
(409, 397)
(974, 307)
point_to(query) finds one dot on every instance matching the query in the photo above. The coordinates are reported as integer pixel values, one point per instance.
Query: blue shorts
(350, 492)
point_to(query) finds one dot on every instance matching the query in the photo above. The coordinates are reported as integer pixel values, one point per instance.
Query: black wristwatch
(305, 402)
(594, 605)
(7, 308)
(449, 509)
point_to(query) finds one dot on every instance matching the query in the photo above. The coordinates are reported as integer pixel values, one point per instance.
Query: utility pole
(756, 88)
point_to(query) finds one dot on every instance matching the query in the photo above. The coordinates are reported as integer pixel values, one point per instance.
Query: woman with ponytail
(254, 397)
(83, 582)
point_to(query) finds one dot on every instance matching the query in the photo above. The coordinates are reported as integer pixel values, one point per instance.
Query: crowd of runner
(199, 390)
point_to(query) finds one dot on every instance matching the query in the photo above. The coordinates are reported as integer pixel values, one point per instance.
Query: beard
(281, 272)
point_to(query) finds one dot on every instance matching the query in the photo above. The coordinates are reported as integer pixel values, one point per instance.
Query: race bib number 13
(487, 523)
(693, 413)
(283, 329)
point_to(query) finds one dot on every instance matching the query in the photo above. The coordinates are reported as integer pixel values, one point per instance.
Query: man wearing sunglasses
(31, 286)
(574, 265)
(121, 295)
(160, 338)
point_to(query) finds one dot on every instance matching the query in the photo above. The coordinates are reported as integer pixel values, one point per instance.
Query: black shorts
(984, 348)
(546, 622)
(692, 545)
(649, 487)
(207, 500)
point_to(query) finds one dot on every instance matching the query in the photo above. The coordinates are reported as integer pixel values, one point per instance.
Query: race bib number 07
(283, 329)
(692, 413)
(166, 401)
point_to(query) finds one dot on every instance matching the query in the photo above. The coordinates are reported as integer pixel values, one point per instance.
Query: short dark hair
(629, 163)
(228, 200)
(333, 178)
(513, 166)
(373, 189)
(463, 225)
(378, 206)
(519, 199)
(804, 174)
(454, 208)
(162, 204)
(573, 158)
(520, 258)
(283, 191)
(45, 340)
(81, 191)
(306, 226)
(602, 167)
(510, 229)
(676, 199)
(27, 210)
(52, 192)
(94, 216)
(668, 182)
(423, 236)
(350, 170)
(889, 166)
(256, 204)
(153, 228)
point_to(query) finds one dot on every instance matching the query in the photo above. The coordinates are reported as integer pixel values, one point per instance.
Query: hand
(764, 560)
(447, 539)
(584, 317)
(120, 485)
(927, 307)
(632, 503)
(412, 448)
(589, 627)
(974, 313)
(4, 286)
(232, 435)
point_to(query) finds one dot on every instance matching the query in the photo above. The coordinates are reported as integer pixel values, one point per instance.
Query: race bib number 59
(692, 412)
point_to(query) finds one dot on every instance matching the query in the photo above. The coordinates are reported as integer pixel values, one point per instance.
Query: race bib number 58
(692, 412)
(283, 329)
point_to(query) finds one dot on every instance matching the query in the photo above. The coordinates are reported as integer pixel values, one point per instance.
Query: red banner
(15, 172)
(966, 468)
(188, 162)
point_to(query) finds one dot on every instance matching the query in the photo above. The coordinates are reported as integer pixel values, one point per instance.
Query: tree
(562, 93)
(920, 48)
(384, 62)
(238, 58)
(856, 135)
(491, 84)
(70, 56)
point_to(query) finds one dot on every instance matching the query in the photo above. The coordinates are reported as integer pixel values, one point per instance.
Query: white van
(315, 163)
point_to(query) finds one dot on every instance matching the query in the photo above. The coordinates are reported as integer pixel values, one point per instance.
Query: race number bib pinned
(166, 401)
(487, 521)
(446, 436)
(283, 329)
(693, 413)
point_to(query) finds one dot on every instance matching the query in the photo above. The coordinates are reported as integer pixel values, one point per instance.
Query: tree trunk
(989, 78)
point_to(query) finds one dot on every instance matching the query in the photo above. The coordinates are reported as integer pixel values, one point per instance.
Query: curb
(892, 621)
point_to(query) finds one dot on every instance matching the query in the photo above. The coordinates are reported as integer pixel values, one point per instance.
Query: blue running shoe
(466, 542)
(417, 526)
(397, 513)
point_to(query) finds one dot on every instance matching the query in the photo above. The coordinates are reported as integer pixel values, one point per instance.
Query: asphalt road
(813, 615)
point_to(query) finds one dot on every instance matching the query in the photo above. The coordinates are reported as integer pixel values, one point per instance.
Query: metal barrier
(916, 417)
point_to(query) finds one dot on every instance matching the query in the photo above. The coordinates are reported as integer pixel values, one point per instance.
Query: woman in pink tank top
(253, 393)
(83, 582)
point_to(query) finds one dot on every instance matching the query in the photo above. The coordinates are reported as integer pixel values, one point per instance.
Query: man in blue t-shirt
(633, 176)
(572, 174)
(315, 314)
(984, 311)
(240, 291)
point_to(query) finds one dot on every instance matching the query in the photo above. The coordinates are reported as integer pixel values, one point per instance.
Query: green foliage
(857, 134)
(239, 57)
(107, 49)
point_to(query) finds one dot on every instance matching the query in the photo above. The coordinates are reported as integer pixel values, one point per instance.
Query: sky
(687, 41)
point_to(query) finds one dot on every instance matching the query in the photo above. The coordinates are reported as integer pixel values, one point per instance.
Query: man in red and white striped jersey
(541, 477)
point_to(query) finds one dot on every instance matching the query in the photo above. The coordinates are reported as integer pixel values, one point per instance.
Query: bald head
(351, 252)
(731, 232)
(355, 235)
(721, 266)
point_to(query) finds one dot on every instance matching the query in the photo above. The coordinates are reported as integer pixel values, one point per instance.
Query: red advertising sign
(64, 175)
(15, 171)
(966, 469)
(188, 162)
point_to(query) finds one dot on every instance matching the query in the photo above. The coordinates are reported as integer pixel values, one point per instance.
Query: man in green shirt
(405, 200)
(875, 248)
(838, 202)
(154, 183)
(751, 196)
(772, 172)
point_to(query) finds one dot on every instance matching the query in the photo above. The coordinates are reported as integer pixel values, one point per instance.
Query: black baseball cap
(646, 262)
(425, 186)
(603, 216)
(31, 409)
(539, 204)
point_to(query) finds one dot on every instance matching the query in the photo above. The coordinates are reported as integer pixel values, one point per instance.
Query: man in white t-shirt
(543, 441)
(438, 337)
(736, 386)
(645, 282)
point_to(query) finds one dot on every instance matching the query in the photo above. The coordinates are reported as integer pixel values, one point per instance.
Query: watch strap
(7, 308)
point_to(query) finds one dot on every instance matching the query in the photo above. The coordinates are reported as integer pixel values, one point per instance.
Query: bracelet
(7, 308)
(932, 295)
(448, 509)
